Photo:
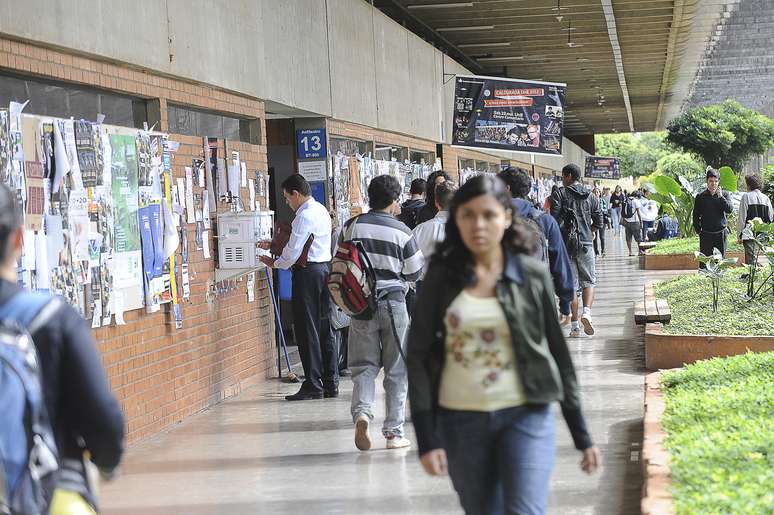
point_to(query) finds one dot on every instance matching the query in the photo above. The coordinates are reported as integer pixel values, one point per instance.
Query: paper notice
(118, 307)
(42, 270)
(189, 200)
(233, 178)
(251, 192)
(206, 210)
(206, 244)
(60, 158)
(251, 287)
(244, 174)
(222, 185)
(181, 193)
(186, 281)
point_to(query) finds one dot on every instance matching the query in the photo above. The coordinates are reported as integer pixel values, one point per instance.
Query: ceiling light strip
(440, 6)
(465, 28)
(612, 33)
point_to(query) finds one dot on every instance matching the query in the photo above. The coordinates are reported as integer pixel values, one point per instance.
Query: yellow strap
(66, 502)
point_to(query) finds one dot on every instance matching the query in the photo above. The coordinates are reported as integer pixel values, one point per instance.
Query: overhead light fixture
(570, 42)
(440, 6)
(494, 59)
(484, 45)
(558, 10)
(583, 59)
(466, 27)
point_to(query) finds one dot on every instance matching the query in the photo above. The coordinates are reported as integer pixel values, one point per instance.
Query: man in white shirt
(310, 298)
(648, 214)
(429, 234)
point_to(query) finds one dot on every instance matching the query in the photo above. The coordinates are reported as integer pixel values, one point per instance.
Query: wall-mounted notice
(312, 170)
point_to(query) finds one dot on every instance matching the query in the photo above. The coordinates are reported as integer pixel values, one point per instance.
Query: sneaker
(362, 438)
(575, 332)
(397, 442)
(588, 327)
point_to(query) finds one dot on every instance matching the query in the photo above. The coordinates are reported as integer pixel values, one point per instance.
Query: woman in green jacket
(487, 356)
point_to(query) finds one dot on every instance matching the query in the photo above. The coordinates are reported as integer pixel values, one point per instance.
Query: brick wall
(162, 375)
(361, 132)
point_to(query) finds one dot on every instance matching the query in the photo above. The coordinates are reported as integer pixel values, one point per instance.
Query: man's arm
(301, 229)
(728, 208)
(559, 263)
(557, 205)
(741, 220)
(697, 213)
(88, 402)
(413, 261)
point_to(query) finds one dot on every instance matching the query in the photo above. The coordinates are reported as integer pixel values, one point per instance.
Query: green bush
(687, 246)
(690, 301)
(719, 420)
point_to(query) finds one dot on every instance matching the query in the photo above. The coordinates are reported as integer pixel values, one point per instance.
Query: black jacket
(709, 212)
(79, 401)
(586, 206)
(409, 212)
(545, 367)
(427, 212)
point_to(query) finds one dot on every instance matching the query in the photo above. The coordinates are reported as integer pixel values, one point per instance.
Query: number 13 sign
(311, 143)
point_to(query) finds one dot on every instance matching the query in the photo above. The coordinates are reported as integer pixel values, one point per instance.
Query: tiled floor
(258, 454)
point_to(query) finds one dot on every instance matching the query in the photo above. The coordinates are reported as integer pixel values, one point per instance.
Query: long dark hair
(430, 189)
(519, 238)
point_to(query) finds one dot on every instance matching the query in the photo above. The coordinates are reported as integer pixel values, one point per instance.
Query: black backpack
(627, 209)
(572, 238)
(531, 219)
(410, 215)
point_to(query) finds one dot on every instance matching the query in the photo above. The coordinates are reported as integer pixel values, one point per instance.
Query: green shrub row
(687, 246)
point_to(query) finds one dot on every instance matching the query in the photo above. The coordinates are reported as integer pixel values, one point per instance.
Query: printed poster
(508, 114)
(128, 256)
(602, 168)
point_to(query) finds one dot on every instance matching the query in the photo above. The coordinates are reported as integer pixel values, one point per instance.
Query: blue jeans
(500, 462)
(372, 346)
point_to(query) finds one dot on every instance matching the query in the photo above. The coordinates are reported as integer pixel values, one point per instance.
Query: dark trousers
(311, 318)
(710, 241)
(599, 242)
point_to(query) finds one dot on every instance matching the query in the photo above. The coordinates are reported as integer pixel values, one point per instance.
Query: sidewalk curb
(656, 490)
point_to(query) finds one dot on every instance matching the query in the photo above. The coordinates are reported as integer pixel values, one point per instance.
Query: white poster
(312, 170)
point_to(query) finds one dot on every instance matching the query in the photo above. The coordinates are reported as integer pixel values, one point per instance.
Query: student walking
(429, 234)
(709, 215)
(617, 200)
(648, 214)
(409, 210)
(632, 222)
(599, 233)
(488, 357)
(377, 342)
(754, 204)
(429, 210)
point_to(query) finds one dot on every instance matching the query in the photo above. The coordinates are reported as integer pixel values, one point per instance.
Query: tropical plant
(768, 181)
(721, 134)
(638, 154)
(678, 164)
(764, 245)
(715, 267)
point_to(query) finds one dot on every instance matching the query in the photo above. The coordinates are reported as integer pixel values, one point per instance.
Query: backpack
(352, 280)
(627, 209)
(531, 219)
(28, 454)
(572, 238)
(410, 215)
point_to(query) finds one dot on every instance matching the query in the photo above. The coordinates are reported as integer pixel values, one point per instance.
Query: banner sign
(602, 168)
(507, 114)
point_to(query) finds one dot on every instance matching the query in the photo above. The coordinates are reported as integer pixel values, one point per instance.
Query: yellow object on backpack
(67, 502)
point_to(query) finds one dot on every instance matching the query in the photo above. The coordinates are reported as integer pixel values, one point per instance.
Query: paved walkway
(257, 453)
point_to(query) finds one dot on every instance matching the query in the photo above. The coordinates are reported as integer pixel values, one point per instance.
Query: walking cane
(292, 377)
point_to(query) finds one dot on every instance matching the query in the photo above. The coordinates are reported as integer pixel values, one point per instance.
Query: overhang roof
(628, 64)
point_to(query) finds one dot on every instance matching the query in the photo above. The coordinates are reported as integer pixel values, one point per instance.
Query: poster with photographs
(5, 147)
(602, 168)
(86, 151)
(509, 114)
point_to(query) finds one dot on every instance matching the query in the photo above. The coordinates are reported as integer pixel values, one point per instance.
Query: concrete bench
(650, 309)
(645, 245)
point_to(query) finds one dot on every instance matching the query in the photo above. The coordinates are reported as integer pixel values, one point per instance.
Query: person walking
(648, 214)
(488, 358)
(606, 195)
(709, 215)
(409, 210)
(754, 204)
(599, 233)
(617, 200)
(429, 210)
(630, 214)
(377, 342)
(311, 232)
(85, 417)
(431, 233)
(577, 212)
(519, 184)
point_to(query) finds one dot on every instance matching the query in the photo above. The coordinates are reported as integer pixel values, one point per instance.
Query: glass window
(65, 100)
(482, 166)
(422, 157)
(466, 164)
(349, 147)
(387, 152)
(195, 122)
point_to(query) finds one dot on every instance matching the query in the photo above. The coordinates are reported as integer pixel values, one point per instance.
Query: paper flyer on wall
(128, 254)
(251, 193)
(251, 287)
(206, 210)
(206, 244)
(189, 200)
(210, 167)
(68, 136)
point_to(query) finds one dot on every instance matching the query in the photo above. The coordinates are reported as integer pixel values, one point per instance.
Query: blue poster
(311, 143)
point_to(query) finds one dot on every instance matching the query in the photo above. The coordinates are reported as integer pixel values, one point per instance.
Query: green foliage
(768, 181)
(678, 164)
(728, 179)
(720, 434)
(715, 266)
(691, 307)
(722, 134)
(638, 154)
(764, 246)
(686, 246)
(677, 199)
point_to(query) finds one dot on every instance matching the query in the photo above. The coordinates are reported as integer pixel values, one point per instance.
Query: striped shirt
(390, 247)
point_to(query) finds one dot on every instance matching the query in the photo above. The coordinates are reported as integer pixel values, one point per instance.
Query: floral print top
(480, 372)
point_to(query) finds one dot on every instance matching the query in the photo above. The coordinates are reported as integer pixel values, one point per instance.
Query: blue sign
(318, 191)
(311, 143)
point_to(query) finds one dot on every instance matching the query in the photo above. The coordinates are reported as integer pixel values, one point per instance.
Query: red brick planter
(678, 261)
(656, 490)
(675, 350)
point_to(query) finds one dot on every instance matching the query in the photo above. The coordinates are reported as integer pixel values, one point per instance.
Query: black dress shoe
(304, 396)
(331, 394)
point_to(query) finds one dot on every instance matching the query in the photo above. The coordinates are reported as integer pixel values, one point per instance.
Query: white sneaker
(588, 327)
(398, 442)
(575, 332)
(362, 438)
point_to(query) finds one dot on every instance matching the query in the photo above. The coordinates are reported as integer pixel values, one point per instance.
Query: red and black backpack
(352, 280)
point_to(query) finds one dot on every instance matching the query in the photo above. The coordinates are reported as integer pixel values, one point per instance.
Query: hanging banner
(128, 250)
(602, 168)
(509, 114)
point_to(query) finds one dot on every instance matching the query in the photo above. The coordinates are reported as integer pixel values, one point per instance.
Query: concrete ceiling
(628, 64)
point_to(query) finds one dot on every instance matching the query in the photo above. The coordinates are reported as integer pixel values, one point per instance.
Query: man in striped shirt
(378, 342)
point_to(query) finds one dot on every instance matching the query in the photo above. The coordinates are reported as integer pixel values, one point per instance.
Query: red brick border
(678, 261)
(657, 487)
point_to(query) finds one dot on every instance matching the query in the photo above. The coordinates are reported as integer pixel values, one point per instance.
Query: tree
(722, 134)
(638, 154)
(679, 164)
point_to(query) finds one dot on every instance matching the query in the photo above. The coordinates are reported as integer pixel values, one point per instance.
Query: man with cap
(709, 215)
